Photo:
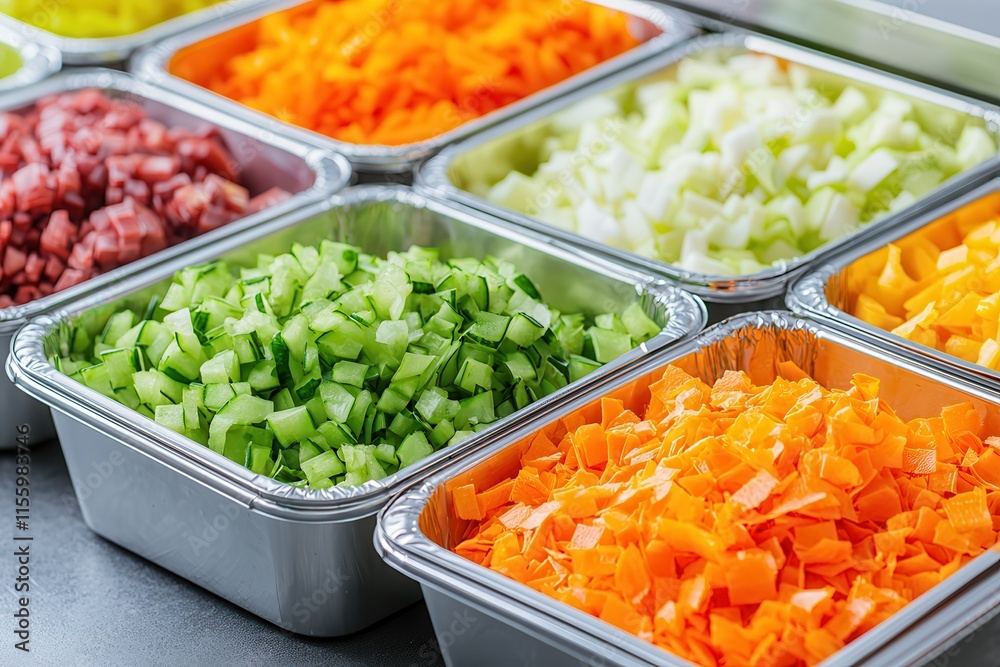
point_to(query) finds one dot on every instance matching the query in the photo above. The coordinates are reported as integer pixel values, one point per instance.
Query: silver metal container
(828, 292)
(904, 35)
(115, 50)
(442, 176)
(656, 26)
(302, 559)
(38, 61)
(264, 160)
(484, 618)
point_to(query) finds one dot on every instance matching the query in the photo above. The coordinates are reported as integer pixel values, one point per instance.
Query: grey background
(980, 15)
(93, 603)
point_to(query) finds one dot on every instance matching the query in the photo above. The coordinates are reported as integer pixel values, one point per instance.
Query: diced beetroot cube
(106, 249)
(188, 203)
(114, 195)
(9, 162)
(59, 235)
(33, 267)
(121, 168)
(74, 204)
(129, 251)
(122, 116)
(10, 122)
(267, 200)
(82, 255)
(44, 289)
(166, 188)
(14, 261)
(8, 199)
(99, 219)
(54, 268)
(67, 179)
(32, 188)
(30, 150)
(86, 101)
(123, 221)
(6, 301)
(112, 144)
(138, 190)
(98, 177)
(235, 197)
(154, 237)
(26, 294)
(87, 140)
(157, 168)
(213, 217)
(69, 278)
(153, 135)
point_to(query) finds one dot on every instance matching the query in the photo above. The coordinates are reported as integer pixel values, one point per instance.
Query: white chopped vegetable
(873, 170)
(726, 166)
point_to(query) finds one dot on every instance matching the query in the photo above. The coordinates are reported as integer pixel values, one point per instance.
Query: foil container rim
(807, 295)
(105, 50)
(404, 546)
(151, 63)
(432, 175)
(30, 370)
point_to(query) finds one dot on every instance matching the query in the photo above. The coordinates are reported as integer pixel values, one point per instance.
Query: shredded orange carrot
(396, 72)
(742, 525)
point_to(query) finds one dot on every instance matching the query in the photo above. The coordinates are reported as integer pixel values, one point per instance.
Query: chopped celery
(326, 366)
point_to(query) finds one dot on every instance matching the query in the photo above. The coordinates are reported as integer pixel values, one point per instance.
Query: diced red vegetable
(88, 184)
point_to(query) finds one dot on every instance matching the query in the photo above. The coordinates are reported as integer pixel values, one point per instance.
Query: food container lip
(402, 544)
(153, 63)
(38, 61)
(432, 175)
(30, 370)
(107, 50)
(807, 295)
(332, 172)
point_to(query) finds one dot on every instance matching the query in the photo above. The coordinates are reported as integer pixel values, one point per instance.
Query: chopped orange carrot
(396, 72)
(738, 524)
(466, 506)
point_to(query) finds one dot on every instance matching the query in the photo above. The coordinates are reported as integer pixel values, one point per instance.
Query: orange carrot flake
(738, 524)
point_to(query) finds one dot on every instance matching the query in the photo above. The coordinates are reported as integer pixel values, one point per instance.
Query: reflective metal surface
(38, 61)
(658, 27)
(264, 160)
(953, 42)
(282, 543)
(518, 625)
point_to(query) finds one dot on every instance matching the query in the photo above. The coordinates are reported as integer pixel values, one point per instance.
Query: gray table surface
(94, 603)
